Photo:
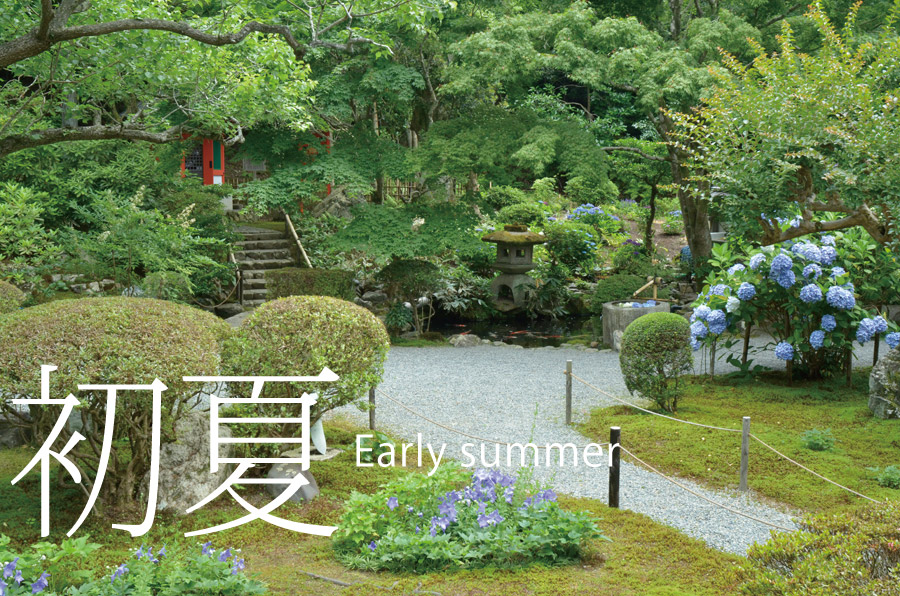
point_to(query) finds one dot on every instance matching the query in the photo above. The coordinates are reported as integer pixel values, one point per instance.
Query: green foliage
(301, 335)
(412, 282)
(841, 555)
(26, 247)
(294, 281)
(888, 477)
(399, 318)
(521, 213)
(573, 245)
(549, 296)
(620, 286)
(673, 224)
(167, 285)
(463, 293)
(631, 257)
(409, 231)
(449, 521)
(582, 190)
(373, 446)
(818, 439)
(497, 197)
(109, 340)
(11, 297)
(655, 353)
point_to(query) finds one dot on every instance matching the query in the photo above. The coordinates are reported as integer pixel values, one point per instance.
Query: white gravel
(516, 395)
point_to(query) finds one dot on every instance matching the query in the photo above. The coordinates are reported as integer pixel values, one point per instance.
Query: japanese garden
(449, 297)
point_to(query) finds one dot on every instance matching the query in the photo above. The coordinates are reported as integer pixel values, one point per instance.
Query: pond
(530, 333)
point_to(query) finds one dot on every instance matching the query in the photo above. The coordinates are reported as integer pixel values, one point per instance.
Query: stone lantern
(515, 251)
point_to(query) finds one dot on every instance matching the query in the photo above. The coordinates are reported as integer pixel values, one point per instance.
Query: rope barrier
(696, 494)
(622, 401)
(764, 444)
(453, 430)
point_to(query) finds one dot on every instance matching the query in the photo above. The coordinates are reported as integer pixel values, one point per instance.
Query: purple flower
(548, 495)
(785, 279)
(448, 510)
(718, 290)
(10, 568)
(207, 549)
(162, 552)
(736, 268)
(139, 554)
(490, 520)
(3, 586)
(702, 312)
(892, 339)
(119, 572)
(808, 251)
(784, 351)
(508, 495)
(717, 322)
(780, 264)
(810, 293)
(41, 584)
(828, 255)
(224, 555)
(828, 323)
(812, 270)
(747, 291)
(439, 522)
(696, 344)
(840, 298)
(880, 324)
(817, 338)
(238, 566)
(865, 331)
(698, 330)
(838, 271)
(372, 546)
(757, 260)
(18, 578)
(392, 503)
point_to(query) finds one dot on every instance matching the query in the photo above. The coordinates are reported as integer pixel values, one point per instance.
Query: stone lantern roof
(514, 234)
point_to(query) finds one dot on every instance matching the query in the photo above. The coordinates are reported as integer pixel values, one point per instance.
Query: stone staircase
(260, 250)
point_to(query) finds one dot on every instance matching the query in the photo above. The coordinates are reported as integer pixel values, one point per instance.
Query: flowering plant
(609, 226)
(458, 519)
(805, 294)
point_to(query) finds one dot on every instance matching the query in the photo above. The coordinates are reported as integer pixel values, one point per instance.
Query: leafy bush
(521, 213)
(673, 224)
(167, 285)
(655, 353)
(620, 286)
(608, 226)
(631, 257)
(498, 197)
(818, 440)
(26, 248)
(572, 244)
(412, 281)
(549, 295)
(463, 293)
(301, 335)
(582, 190)
(11, 297)
(888, 477)
(453, 520)
(479, 257)
(398, 319)
(48, 570)
(109, 340)
(294, 281)
(839, 555)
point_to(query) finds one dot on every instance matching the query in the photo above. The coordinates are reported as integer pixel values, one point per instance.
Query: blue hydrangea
(828, 240)
(881, 325)
(892, 339)
(701, 312)
(828, 255)
(757, 260)
(808, 251)
(685, 254)
(812, 271)
(718, 290)
(849, 287)
(696, 343)
(717, 322)
(838, 271)
(866, 331)
(785, 279)
(784, 351)
(698, 330)
(817, 338)
(840, 298)
(747, 291)
(810, 293)
(736, 268)
(828, 323)
(780, 264)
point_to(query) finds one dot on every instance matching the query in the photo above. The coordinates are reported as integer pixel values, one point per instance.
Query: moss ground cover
(780, 415)
(644, 557)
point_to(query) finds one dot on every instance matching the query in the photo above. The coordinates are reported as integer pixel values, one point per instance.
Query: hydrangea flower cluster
(870, 327)
(647, 304)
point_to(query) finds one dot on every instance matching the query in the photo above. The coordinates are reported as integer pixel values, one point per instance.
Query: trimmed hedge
(11, 297)
(114, 340)
(294, 281)
(301, 335)
(620, 286)
(655, 352)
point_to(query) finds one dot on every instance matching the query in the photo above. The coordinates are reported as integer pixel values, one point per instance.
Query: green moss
(515, 234)
(294, 281)
(11, 298)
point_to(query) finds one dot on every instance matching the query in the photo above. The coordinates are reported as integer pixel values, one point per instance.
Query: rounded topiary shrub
(620, 286)
(294, 281)
(521, 213)
(11, 297)
(655, 353)
(114, 340)
(301, 335)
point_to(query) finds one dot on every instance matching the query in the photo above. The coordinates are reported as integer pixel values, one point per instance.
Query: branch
(638, 151)
(787, 13)
(46, 16)
(863, 216)
(39, 138)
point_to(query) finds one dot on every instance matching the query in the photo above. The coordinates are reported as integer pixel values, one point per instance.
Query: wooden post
(615, 454)
(568, 392)
(372, 408)
(745, 452)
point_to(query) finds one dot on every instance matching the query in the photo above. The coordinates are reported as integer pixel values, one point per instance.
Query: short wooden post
(568, 392)
(745, 452)
(371, 408)
(615, 454)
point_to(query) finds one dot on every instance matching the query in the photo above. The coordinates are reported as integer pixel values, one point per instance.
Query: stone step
(263, 244)
(254, 294)
(262, 255)
(262, 235)
(252, 303)
(265, 264)
(253, 275)
(254, 282)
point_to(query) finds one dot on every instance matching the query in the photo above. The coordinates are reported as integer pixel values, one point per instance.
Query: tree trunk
(648, 229)
(378, 195)
(472, 184)
(695, 213)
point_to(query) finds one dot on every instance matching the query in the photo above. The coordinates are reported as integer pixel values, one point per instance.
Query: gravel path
(511, 394)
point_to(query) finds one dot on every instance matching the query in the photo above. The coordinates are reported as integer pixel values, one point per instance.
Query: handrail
(290, 227)
(239, 277)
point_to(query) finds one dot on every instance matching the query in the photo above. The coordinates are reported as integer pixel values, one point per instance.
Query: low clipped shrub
(498, 197)
(655, 353)
(572, 244)
(458, 519)
(294, 281)
(839, 555)
(11, 297)
(299, 336)
(521, 213)
(109, 340)
(620, 286)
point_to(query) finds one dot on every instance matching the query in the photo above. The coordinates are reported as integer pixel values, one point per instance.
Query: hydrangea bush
(609, 226)
(803, 290)
(458, 519)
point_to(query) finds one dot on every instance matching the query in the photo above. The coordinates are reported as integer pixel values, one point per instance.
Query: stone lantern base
(509, 290)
